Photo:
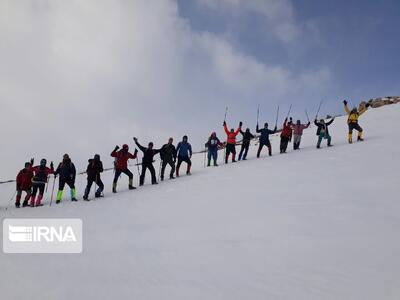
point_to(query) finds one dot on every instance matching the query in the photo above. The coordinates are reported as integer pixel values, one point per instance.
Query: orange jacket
(231, 135)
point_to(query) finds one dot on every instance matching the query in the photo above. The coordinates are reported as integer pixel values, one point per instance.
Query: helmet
(125, 147)
(43, 162)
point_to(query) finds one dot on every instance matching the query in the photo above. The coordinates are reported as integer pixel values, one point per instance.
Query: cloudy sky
(79, 77)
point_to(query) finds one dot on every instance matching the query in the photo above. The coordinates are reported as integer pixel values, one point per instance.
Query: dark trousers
(230, 148)
(244, 150)
(355, 126)
(38, 187)
(268, 144)
(118, 173)
(185, 159)
(284, 143)
(164, 164)
(212, 153)
(145, 166)
(99, 183)
(19, 195)
(63, 181)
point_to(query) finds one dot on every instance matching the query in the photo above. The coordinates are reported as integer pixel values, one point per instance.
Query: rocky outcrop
(378, 102)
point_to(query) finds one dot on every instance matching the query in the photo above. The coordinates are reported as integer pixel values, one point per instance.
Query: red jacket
(122, 157)
(286, 130)
(231, 135)
(24, 179)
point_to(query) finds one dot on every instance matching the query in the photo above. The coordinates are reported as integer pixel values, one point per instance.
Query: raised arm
(238, 130)
(330, 122)
(134, 155)
(346, 109)
(115, 153)
(140, 146)
(226, 129)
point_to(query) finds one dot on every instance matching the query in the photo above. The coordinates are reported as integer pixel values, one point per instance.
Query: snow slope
(314, 224)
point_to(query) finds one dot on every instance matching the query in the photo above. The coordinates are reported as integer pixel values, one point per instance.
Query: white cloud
(82, 76)
(278, 14)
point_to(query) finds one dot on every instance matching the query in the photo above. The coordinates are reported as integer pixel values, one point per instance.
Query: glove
(51, 165)
(367, 105)
(240, 124)
(135, 139)
(116, 148)
(275, 128)
(136, 151)
(344, 102)
(174, 160)
(224, 123)
(18, 187)
(286, 120)
(32, 160)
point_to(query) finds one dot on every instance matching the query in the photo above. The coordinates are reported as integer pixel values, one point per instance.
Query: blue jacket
(265, 132)
(184, 149)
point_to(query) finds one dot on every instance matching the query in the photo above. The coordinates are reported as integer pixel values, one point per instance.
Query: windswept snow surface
(310, 224)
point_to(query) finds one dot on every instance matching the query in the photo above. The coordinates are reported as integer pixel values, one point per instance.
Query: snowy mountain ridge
(311, 224)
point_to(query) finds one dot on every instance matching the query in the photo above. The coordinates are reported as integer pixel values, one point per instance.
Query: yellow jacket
(353, 117)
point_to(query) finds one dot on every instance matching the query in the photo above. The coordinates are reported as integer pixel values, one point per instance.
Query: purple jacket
(298, 129)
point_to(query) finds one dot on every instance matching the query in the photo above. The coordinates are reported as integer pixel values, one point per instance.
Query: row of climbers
(34, 179)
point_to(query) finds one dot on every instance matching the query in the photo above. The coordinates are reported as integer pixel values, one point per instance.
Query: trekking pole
(258, 112)
(12, 197)
(308, 119)
(159, 171)
(226, 112)
(52, 190)
(319, 107)
(95, 185)
(137, 165)
(47, 183)
(290, 109)
(205, 154)
(277, 113)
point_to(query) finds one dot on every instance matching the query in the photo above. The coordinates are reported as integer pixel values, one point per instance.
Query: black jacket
(66, 170)
(168, 152)
(94, 168)
(247, 136)
(148, 154)
(323, 126)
